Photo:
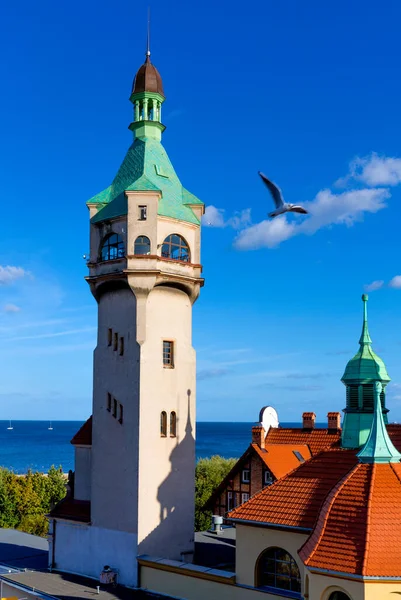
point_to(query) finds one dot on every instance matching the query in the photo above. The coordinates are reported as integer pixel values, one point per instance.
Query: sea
(32, 445)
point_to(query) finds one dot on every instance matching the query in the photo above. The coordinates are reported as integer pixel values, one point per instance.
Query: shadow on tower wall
(174, 535)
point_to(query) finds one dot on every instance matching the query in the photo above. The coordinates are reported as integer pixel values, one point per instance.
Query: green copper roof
(366, 366)
(378, 447)
(146, 166)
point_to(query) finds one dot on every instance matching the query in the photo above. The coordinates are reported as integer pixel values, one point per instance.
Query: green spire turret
(360, 376)
(378, 447)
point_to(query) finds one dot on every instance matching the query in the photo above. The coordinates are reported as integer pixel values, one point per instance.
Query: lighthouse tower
(133, 489)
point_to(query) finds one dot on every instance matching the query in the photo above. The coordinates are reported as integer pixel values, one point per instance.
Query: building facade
(133, 487)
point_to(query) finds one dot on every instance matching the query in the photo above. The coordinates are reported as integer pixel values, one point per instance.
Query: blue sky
(308, 92)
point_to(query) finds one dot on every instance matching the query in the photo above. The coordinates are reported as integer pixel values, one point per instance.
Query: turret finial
(365, 337)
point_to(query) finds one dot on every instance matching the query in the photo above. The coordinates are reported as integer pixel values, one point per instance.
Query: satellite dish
(268, 417)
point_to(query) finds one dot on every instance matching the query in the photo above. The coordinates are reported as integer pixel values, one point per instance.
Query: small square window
(115, 408)
(109, 336)
(246, 476)
(121, 346)
(267, 478)
(168, 354)
(109, 402)
(121, 417)
(142, 213)
(115, 344)
(244, 497)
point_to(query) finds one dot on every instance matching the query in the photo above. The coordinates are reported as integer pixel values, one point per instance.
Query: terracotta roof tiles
(295, 500)
(281, 458)
(317, 439)
(83, 437)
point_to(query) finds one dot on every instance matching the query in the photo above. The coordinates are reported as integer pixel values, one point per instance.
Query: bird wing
(298, 209)
(274, 190)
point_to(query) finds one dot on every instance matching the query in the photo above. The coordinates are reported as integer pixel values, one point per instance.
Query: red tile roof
(295, 500)
(83, 437)
(317, 439)
(359, 526)
(74, 510)
(280, 458)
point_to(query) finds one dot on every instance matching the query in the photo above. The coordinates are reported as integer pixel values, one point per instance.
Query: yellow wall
(251, 541)
(193, 588)
(385, 591)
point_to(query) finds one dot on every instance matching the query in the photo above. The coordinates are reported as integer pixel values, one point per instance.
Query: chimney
(258, 436)
(308, 420)
(334, 421)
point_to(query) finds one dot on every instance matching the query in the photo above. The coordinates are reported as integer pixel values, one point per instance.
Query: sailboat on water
(10, 426)
(50, 428)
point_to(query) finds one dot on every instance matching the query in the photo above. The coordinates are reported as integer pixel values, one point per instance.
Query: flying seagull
(281, 206)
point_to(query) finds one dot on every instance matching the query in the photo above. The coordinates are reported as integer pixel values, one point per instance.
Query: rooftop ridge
(368, 520)
(323, 516)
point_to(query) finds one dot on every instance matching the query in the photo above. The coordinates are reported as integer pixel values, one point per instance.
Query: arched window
(276, 568)
(176, 248)
(142, 245)
(112, 247)
(163, 424)
(173, 424)
(339, 596)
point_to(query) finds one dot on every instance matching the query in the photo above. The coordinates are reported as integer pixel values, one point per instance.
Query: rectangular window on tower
(115, 343)
(168, 354)
(109, 336)
(121, 417)
(121, 346)
(115, 408)
(142, 213)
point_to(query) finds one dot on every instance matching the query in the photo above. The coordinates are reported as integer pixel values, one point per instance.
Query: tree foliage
(26, 499)
(209, 473)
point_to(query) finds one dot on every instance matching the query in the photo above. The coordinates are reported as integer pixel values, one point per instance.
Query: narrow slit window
(142, 213)
(121, 415)
(121, 346)
(115, 408)
(115, 345)
(168, 354)
(173, 424)
(109, 336)
(163, 424)
(109, 402)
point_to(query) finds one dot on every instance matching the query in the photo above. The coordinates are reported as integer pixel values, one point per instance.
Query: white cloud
(325, 210)
(9, 274)
(265, 234)
(215, 217)
(375, 285)
(11, 308)
(374, 170)
(395, 282)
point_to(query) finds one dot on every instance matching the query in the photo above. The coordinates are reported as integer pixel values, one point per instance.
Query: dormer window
(160, 171)
(112, 247)
(176, 248)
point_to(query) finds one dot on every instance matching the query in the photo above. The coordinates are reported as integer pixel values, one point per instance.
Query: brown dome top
(148, 79)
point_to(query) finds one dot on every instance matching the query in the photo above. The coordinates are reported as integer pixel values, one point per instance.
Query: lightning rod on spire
(148, 37)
